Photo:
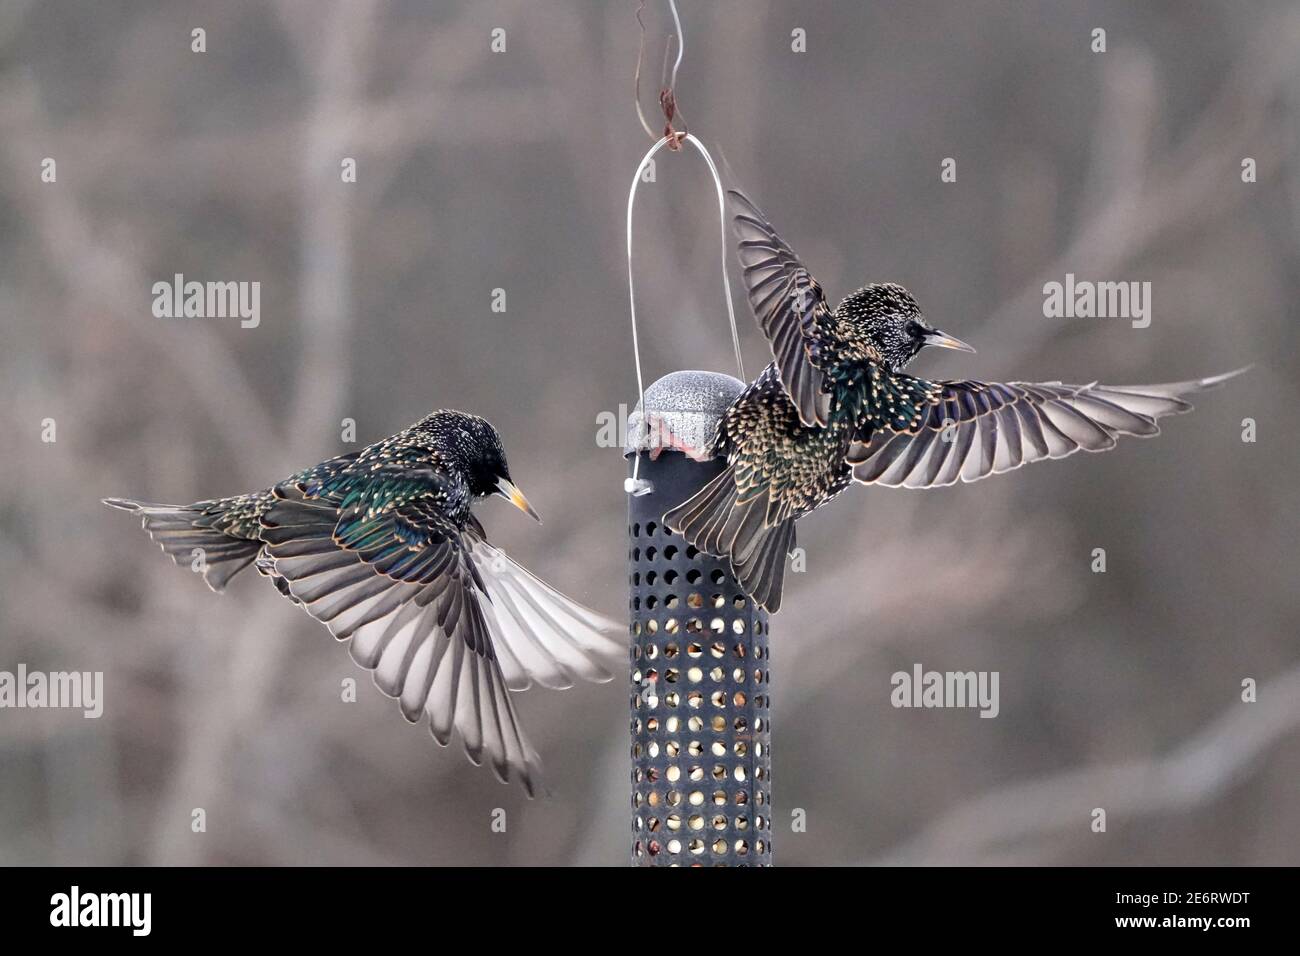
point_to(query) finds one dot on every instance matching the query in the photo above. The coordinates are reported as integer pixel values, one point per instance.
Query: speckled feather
(381, 546)
(836, 407)
(770, 450)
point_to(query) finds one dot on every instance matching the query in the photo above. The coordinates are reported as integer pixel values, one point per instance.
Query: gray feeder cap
(684, 411)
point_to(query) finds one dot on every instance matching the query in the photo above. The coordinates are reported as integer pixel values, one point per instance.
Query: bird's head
(887, 317)
(475, 443)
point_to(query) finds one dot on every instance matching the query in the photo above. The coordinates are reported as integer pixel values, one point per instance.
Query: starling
(380, 545)
(836, 407)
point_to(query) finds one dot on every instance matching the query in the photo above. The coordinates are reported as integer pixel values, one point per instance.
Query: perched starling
(835, 407)
(381, 547)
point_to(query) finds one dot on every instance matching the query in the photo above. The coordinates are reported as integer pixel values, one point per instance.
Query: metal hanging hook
(668, 87)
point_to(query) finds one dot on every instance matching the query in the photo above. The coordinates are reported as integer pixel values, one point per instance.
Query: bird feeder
(701, 763)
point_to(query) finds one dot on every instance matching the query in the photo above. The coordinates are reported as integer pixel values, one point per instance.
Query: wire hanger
(673, 139)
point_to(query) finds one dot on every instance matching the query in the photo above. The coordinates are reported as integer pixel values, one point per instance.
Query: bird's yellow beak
(945, 341)
(507, 490)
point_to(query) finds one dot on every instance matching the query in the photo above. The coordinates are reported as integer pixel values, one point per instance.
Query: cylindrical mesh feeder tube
(701, 765)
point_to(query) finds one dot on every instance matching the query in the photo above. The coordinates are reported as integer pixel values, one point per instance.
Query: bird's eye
(914, 330)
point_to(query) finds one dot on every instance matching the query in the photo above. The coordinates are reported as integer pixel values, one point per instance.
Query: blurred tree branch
(1197, 772)
(109, 278)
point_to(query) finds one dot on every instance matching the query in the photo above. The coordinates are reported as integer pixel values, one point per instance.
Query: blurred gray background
(479, 171)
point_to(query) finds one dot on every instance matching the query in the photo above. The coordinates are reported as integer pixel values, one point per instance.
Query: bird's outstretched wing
(448, 624)
(790, 308)
(977, 429)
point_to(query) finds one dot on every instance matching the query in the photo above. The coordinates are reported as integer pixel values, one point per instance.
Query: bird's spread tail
(717, 522)
(185, 533)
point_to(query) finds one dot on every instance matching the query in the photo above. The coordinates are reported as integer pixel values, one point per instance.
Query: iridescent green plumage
(381, 546)
(836, 407)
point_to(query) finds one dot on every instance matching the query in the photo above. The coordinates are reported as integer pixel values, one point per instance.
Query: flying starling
(380, 545)
(836, 407)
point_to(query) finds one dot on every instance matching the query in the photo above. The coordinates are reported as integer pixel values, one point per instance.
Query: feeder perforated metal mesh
(701, 763)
